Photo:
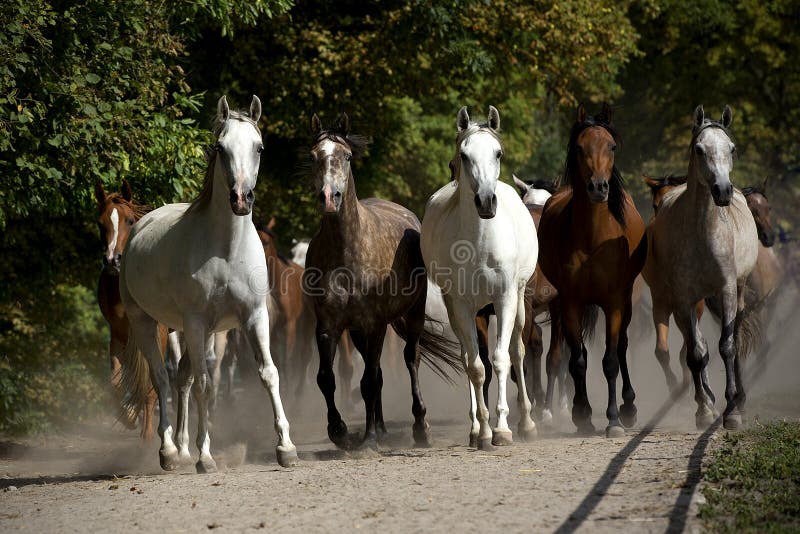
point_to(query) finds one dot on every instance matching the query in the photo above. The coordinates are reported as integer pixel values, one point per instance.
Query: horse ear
(452, 166)
(462, 120)
(127, 193)
(522, 186)
(99, 193)
(343, 124)
(316, 124)
(607, 114)
(727, 116)
(494, 118)
(580, 115)
(222, 108)
(650, 181)
(699, 116)
(271, 223)
(255, 109)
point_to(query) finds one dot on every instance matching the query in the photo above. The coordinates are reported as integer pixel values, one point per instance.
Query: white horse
(201, 269)
(703, 243)
(479, 245)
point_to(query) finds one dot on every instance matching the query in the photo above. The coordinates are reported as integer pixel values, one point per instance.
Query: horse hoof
(547, 417)
(528, 434)
(473, 441)
(169, 460)
(501, 438)
(585, 429)
(614, 431)
(485, 444)
(287, 456)
(206, 465)
(337, 432)
(627, 414)
(704, 419)
(732, 422)
(422, 436)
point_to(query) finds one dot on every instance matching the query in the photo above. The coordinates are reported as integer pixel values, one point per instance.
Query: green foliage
(755, 481)
(53, 366)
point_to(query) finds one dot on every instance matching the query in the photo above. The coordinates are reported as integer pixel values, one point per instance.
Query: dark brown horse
(117, 213)
(364, 271)
(591, 250)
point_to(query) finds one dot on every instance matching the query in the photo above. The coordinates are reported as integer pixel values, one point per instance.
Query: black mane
(616, 194)
(749, 190)
(668, 180)
(547, 185)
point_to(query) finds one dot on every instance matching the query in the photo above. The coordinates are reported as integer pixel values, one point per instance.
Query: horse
(591, 238)
(364, 271)
(299, 251)
(200, 268)
(703, 243)
(117, 213)
(537, 297)
(479, 244)
(761, 283)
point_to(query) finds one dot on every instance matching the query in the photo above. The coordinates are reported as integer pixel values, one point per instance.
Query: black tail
(437, 351)
(590, 315)
(748, 330)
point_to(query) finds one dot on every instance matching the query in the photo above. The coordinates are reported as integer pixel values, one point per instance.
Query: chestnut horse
(117, 213)
(364, 271)
(592, 249)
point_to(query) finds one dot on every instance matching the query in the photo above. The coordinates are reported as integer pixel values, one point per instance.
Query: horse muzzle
(330, 199)
(242, 201)
(598, 190)
(767, 238)
(486, 205)
(111, 266)
(722, 194)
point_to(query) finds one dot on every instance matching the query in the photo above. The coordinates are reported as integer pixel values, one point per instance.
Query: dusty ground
(98, 478)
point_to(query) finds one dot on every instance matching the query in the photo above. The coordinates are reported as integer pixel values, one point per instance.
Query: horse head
(116, 216)
(477, 161)
(759, 206)
(712, 153)
(536, 193)
(237, 155)
(331, 154)
(591, 152)
(659, 187)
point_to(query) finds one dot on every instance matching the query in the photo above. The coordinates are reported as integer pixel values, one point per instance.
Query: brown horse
(365, 271)
(117, 213)
(591, 249)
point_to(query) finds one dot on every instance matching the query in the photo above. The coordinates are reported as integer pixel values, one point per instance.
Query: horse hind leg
(415, 323)
(661, 323)
(581, 409)
(553, 360)
(628, 410)
(370, 345)
(482, 328)
(696, 359)
(533, 361)
(199, 344)
(184, 381)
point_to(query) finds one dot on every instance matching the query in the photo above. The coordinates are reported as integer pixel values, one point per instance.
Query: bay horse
(200, 268)
(364, 271)
(703, 244)
(591, 238)
(117, 213)
(479, 244)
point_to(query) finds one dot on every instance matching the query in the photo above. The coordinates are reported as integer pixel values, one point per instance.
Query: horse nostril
(337, 195)
(251, 196)
(716, 190)
(604, 186)
(234, 196)
(105, 260)
(591, 187)
(477, 201)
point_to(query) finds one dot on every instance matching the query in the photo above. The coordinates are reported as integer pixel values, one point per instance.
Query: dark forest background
(97, 91)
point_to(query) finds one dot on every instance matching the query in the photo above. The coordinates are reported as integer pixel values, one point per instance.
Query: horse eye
(613, 148)
(699, 150)
(348, 157)
(260, 149)
(218, 147)
(463, 156)
(499, 154)
(130, 221)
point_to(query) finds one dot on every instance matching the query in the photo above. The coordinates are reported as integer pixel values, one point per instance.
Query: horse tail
(439, 352)
(748, 329)
(589, 322)
(135, 382)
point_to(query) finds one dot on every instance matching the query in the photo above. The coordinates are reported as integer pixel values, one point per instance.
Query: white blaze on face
(113, 244)
(327, 147)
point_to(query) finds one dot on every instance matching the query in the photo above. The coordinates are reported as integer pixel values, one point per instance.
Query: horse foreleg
(581, 409)
(370, 345)
(611, 366)
(696, 359)
(731, 305)
(628, 409)
(526, 428)
(184, 381)
(327, 339)
(553, 361)
(346, 368)
(534, 348)
(199, 343)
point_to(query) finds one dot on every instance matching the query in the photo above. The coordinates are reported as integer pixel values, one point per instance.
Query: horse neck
(704, 211)
(222, 224)
(343, 227)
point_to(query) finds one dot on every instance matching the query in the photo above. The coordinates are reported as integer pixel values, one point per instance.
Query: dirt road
(97, 478)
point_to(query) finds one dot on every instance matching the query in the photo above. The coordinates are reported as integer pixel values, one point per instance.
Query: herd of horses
(560, 250)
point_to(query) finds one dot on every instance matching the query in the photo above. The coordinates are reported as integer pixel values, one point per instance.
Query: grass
(753, 481)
